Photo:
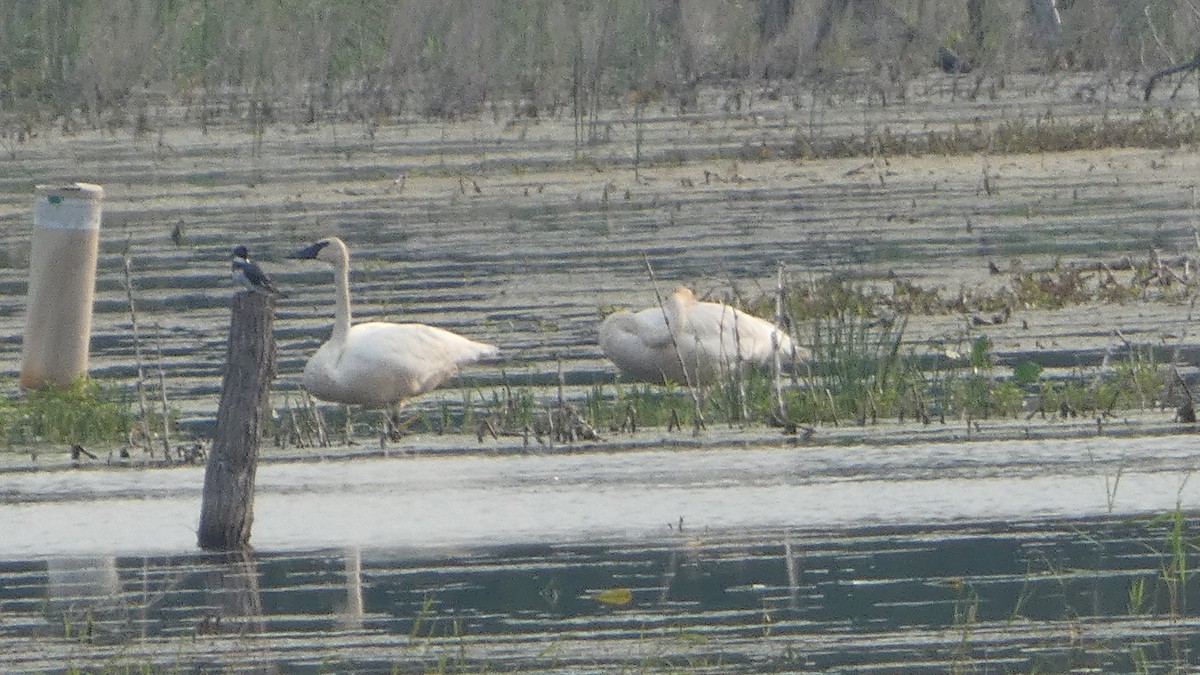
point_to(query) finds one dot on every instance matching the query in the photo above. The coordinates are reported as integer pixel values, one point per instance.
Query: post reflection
(234, 599)
(349, 616)
(793, 575)
(84, 596)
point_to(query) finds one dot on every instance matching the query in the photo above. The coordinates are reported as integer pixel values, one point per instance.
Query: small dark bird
(247, 273)
(950, 62)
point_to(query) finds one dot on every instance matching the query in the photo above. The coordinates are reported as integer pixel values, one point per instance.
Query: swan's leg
(630, 420)
(394, 424)
(385, 433)
(347, 426)
(392, 429)
(674, 423)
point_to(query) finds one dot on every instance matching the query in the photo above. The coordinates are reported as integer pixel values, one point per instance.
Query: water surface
(1049, 595)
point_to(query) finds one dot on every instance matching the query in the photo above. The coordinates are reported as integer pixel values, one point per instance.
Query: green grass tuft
(83, 412)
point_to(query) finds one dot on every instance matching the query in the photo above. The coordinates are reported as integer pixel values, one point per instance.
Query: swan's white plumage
(381, 364)
(709, 338)
(378, 364)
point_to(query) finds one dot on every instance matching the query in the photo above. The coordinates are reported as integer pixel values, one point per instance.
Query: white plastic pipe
(62, 280)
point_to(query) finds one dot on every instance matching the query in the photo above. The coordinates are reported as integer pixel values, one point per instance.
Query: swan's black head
(240, 251)
(309, 252)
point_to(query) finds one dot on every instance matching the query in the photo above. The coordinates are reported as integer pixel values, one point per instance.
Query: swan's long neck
(677, 309)
(341, 312)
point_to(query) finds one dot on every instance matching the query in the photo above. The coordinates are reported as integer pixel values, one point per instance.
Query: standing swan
(378, 364)
(710, 338)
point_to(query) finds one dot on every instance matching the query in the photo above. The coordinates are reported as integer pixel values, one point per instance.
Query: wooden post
(227, 510)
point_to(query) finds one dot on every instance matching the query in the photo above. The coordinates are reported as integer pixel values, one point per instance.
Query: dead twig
(1189, 65)
(698, 421)
(143, 407)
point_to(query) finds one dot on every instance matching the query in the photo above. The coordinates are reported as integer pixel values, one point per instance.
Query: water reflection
(84, 595)
(233, 602)
(351, 615)
(1044, 596)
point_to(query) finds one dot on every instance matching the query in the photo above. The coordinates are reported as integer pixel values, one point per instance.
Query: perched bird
(378, 364)
(247, 273)
(710, 339)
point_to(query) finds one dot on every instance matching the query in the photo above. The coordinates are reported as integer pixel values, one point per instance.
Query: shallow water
(1046, 555)
(1047, 596)
(492, 499)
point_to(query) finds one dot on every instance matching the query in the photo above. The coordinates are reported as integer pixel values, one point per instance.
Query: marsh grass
(1134, 382)
(630, 405)
(84, 412)
(511, 407)
(1178, 548)
(371, 61)
(747, 398)
(1044, 132)
(439, 643)
(966, 622)
(859, 372)
(1062, 284)
(825, 297)
(976, 390)
(299, 424)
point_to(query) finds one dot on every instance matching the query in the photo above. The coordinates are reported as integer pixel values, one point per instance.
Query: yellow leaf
(615, 596)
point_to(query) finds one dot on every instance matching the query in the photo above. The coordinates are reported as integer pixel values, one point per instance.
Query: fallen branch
(1193, 64)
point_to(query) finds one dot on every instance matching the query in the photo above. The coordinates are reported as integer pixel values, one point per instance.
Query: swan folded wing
(640, 345)
(722, 331)
(647, 327)
(387, 362)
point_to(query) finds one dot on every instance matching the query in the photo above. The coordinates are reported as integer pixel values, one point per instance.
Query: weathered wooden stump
(227, 510)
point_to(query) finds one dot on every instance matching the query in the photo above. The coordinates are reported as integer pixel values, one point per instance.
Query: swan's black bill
(308, 252)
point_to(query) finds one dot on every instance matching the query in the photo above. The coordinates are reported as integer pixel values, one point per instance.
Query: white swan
(709, 338)
(378, 364)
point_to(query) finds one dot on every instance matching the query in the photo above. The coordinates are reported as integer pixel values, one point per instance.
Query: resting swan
(710, 338)
(378, 364)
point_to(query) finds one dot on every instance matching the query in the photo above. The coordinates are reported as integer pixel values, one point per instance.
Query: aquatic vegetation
(638, 405)
(859, 372)
(862, 370)
(826, 297)
(1135, 382)
(1178, 547)
(1044, 132)
(966, 621)
(511, 408)
(83, 412)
